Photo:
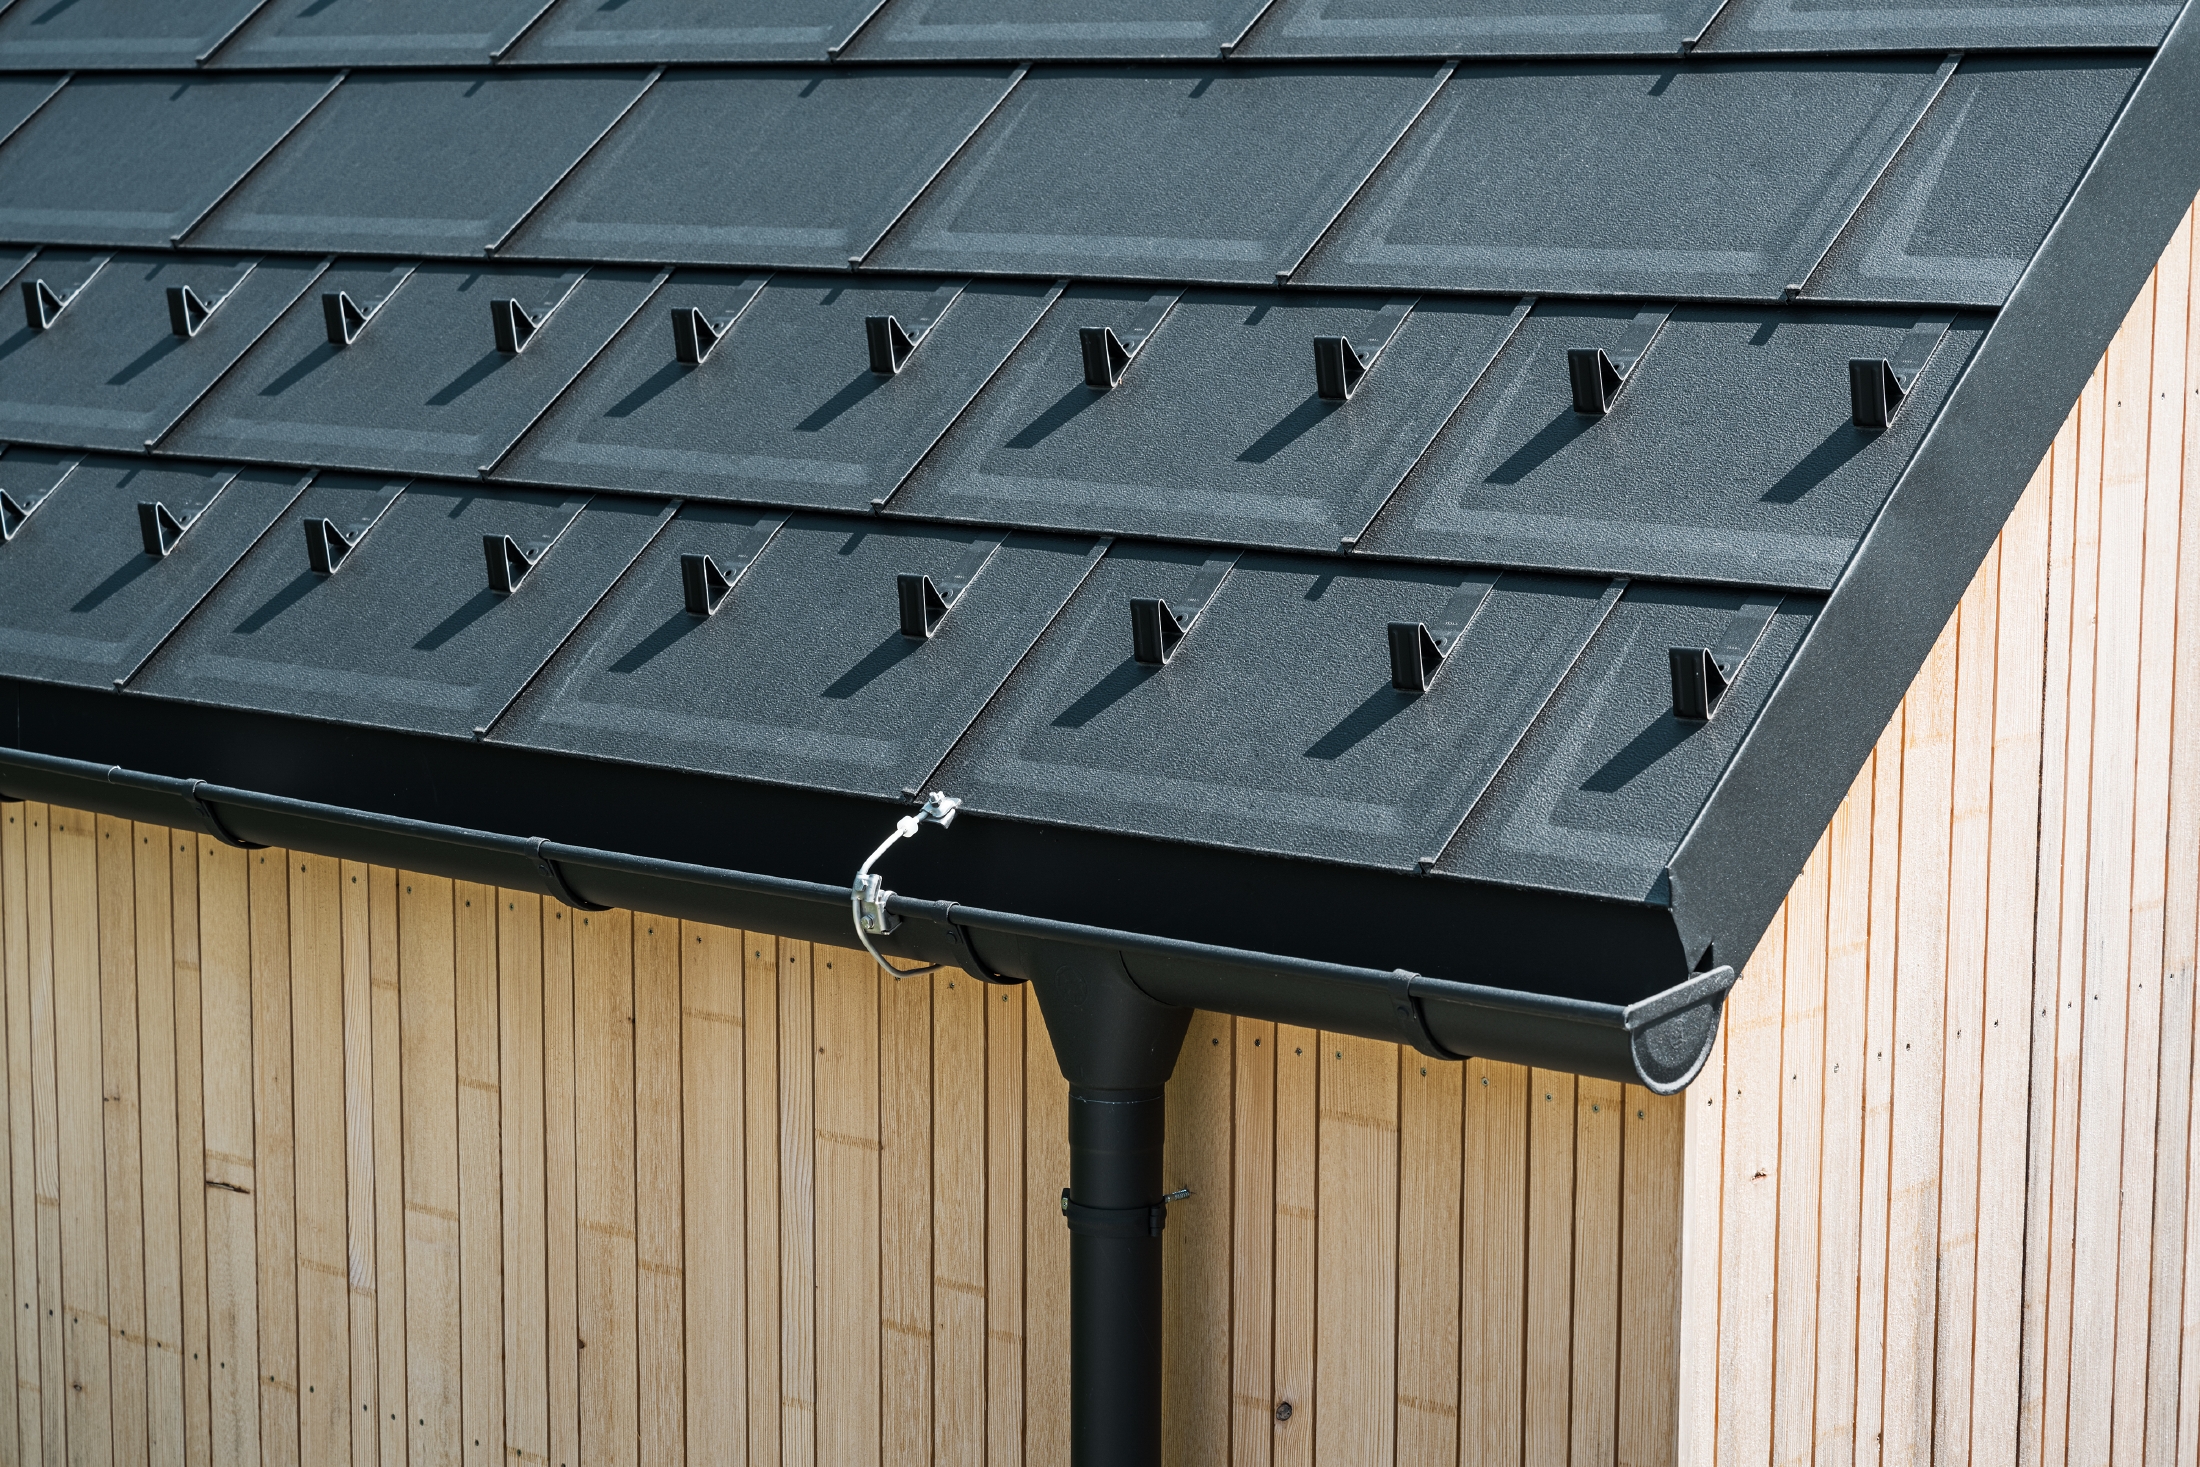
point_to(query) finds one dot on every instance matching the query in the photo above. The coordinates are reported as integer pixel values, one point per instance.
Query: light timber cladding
(309, 1161)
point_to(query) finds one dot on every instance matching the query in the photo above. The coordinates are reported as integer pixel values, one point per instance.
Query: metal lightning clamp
(867, 898)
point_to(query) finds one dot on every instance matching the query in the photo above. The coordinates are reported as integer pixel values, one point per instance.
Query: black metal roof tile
(1218, 175)
(115, 33)
(423, 388)
(1730, 455)
(425, 162)
(82, 601)
(786, 409)
(408, 632)
(383, 33)
(1217, 431)
(1601, 792)
(132, 160)
(111, 372)
(1972, 194)
(1937, 25)
(1021, 30)
(772, 167)
(1477, 27)
(21, 96)
(1275, 727)
(1682, 179)
(803, 674)
(692, 30)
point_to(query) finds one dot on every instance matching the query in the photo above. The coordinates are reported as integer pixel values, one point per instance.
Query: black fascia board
(1547, 942)
(1582, 1022)
(1733, 869)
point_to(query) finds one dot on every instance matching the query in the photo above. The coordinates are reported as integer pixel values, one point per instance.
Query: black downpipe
(1116, 1048)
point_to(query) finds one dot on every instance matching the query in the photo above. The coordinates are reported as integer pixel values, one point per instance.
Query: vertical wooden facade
(313, 1162)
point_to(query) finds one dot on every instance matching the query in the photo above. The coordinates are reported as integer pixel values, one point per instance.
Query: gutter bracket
(972, 964)
(214, 825)
(554, 879)
(1412, 1023)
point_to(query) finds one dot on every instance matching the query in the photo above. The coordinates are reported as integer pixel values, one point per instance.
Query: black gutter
(1659, 1042)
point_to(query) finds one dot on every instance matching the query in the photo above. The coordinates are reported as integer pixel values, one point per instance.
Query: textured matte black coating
(1216, 431)
(1939, 25)
(1965, 206)
(1275, 727)
(22, 95)
(1476, 27)
(1026, 29)
(1721, 180)
(80, 600)
(786, 409)
(1600, 794)
(423, 389)
(434, 162)
(803, 676)
(1222, 174)
(111, 373)
(692, 30)
(133, 159)
(763, 167)
(407, 634)
(1729, 455)
(377, 32)
(114, 33)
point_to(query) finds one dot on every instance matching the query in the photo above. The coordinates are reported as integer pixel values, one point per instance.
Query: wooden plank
(1046, 1244)
(156, 1024)
(521, 1099)
(274, 1153)
(905, 1219)
(77, 1061)
(958, 1218)
(15, 954)
(1879, 1035)
(360, 1251)
(1298, 1259)
(386, 996)
(480, 1102)
(2103, 1374)
(1749, 1191)
(2012, 883)
(711, 1062)
(1431, 1149)
(1801, 1104)
(1841, 1134)
(560, 1164)
(1702, 1130)
(1918, 1054)
(797, 1211)
(1252, 1244)
(845, 1003)
(122, 1133)
(232, 1268)
(1594, 1430)
(2179, 1330)
(760, 1151)
(2046, 1092)
(191, 1171)
(603, 1025)
(1195, 1247)
(17, 1290)
(46, 1132)
(324, 1232)
(1963, 1055)
(1547, 1419)
(1004, 1226)
(2153, 1151)
(1493, 1281)
(1651, 1164)
(1356, 1288)
(660, 1344)
(428, 1061)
